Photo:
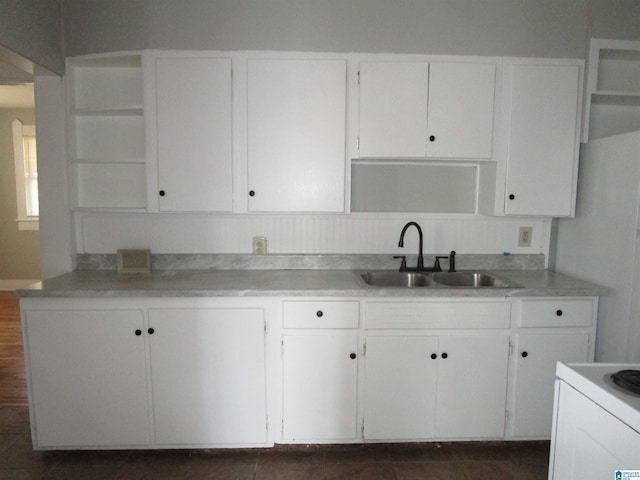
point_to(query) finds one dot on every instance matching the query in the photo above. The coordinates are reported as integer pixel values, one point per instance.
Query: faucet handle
(403, 264)
(436, 264)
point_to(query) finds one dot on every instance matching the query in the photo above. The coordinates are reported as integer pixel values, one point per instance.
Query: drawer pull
(445, 355)
(524, 354)
(434, 356)
(559, 312)
(150, 331)
(352, 356)
(138, 332)
(319, 314)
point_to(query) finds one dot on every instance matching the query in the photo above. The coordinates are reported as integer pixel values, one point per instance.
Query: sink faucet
(420, 265)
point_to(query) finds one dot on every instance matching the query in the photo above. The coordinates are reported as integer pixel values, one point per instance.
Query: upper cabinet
(193, 134)
(539, 144)
(612, 100)
(426, 110)
(106, 140)
(296, 135)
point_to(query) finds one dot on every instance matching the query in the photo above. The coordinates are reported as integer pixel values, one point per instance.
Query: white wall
(544, 28)
(33, 29)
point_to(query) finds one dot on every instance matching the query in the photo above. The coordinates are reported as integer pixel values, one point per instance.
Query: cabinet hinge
(267, 424)
(364, 349)
(506, 416)
(358, 143)
(282, 427)
(362, 429)
(282, 347)
(510, 348)
(358, 77)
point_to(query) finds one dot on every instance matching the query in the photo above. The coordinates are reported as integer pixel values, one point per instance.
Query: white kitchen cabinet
(193, 133)
(550, 331)
(106, 138)
(542, 109)
(87, 378)
(320, 385)
(420, 109)
(423, 387)
(423, 383)
(140, 373)
(208, 376)
(612, 99)
(296, 135)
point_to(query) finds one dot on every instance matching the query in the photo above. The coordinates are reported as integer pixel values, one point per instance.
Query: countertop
(257, 283)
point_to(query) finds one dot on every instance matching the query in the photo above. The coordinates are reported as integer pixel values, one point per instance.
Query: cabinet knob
(559, 312)
(161, 193)
(252, 193)
(512, 196)
(319, 313)
(138, 332)
(445, 355)
(524, 354)
(352, 356)
(150, 331)
(434, 356)
(432, 138)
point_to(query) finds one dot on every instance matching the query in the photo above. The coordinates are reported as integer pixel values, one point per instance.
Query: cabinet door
(542, 151)
(320, 387)
(461, 99)
(87, 376)
(400, 387)
(537, 355)
(194, 134)
(393, 109)
(296, 135)
(208, 376)
(472, 386)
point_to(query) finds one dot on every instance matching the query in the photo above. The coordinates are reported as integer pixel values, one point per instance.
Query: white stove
(596, 425)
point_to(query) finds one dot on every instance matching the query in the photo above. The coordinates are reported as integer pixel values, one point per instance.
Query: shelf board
(615, 98)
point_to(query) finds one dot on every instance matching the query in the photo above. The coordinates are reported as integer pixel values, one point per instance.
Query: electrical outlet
(524, 236)
(260, 245)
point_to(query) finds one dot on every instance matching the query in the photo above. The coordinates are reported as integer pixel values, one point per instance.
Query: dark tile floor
(429, 461)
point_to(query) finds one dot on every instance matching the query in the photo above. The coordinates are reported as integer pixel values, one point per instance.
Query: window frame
(20, 130)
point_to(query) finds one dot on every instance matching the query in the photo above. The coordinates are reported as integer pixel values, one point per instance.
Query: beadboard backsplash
(102, 232)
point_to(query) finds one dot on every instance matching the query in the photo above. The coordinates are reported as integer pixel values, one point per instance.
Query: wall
(545, 28)
(19, 249)
(33, 29)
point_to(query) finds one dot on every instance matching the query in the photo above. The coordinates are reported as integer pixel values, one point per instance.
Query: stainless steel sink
(392, 278)
(385, 278)
(470, 279)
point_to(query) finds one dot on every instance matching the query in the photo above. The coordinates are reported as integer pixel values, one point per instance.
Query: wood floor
(13, 385)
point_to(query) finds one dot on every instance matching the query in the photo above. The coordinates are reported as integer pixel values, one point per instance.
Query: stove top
(627, 380)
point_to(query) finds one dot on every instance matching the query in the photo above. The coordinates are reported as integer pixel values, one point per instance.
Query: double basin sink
(464, 279)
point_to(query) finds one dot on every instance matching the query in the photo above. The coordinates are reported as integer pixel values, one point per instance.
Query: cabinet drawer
(556, 313)
(402, 315)
(309, 314)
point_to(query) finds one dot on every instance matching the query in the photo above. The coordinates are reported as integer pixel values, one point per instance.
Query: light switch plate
(524, 236)
(260, 245)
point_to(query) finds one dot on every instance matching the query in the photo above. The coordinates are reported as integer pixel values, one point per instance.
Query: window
(26, 166)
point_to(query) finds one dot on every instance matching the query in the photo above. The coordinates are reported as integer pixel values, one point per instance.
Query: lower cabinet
(208, 376)
(422, 387)
(547, 331)
(114, 377)
(320, 396)
(87, 378)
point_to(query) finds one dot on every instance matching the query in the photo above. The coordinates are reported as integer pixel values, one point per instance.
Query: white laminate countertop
(256, 283)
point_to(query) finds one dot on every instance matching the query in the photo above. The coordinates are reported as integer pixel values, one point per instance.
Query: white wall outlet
(260, 245)
(524, 236)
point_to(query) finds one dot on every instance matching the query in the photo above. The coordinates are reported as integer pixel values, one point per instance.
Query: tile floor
(431, 461)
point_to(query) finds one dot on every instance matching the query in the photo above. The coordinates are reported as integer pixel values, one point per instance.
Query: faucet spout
(420, 265)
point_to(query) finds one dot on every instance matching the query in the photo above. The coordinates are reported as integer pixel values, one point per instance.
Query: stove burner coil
(628, 380)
